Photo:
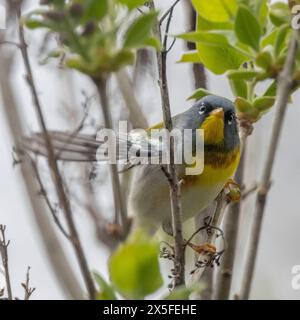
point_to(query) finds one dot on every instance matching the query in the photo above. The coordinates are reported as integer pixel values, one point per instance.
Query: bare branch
(200, 79)
(205, 260)
(4, 254)
(231, 224)
(102, 226)
(57, 257)
(175, 194)
(101, 85)
(11, 43)
(283, 93)
(247, 192)
(232, 221)
(168, 12)
(43, 192)
(136, 115)
(54, 167)
(28, 290)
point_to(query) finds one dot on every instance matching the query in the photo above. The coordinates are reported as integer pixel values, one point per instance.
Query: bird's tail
(86, 148)
(66, 146)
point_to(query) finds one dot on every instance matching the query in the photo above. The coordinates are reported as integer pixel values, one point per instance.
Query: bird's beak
(218, 113)
(213, 127)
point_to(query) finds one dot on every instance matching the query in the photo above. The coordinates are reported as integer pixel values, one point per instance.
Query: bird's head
(216, 116)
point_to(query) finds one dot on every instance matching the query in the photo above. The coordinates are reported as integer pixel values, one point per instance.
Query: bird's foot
(206, 248)
(232, 191)
(114, 229)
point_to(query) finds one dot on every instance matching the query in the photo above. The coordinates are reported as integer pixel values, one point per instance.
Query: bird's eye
(202, 109)
(230, 118)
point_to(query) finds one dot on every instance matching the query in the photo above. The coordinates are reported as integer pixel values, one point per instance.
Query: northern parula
(149, 196)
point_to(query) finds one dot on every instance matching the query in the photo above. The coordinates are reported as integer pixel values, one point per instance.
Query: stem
(168, 12)
(28, 290)
(232, 218)
(64, 201)
(4, 255)
(175, 194)
(136, 114)
(231, 223)
(101, 85)
(283, 92)
(62, 269)
(217, 217)
(200, 79)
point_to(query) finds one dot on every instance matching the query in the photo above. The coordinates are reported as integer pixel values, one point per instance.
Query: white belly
(149, 201)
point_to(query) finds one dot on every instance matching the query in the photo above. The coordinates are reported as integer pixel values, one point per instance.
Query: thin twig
(200, 81)
(165, 15)
(248, 192)
(100, 223)
(283, 93)
(221, 203)
(28, 290)
(11, 43)
(136, 115)
(64, 201)
(175, 194)
(4, 254)
(101, 85)
(44, 193)
(62, 269)
(166, 36)
(231, 224)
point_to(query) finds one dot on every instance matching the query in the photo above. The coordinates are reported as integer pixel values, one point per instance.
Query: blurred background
(62, 94)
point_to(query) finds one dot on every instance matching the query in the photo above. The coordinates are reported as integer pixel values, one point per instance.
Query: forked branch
(283, 92)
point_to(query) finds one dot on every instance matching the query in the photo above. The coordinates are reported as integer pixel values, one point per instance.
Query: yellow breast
(218, 168)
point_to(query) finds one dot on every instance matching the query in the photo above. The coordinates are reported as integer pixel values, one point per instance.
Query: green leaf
(215, 51)
(239, 87)
(32, 23)
(264, 103)
(279, 13)
(134, 267)
(183, 293)
(153, 42)
(132, 4)
(106, 291)
(210, 37)
(247, 27)
(206, 25)
(140, 30)
(191, 56)
(216, 10)
(270, 38)
(271, 90)
(243, 105)
(264, 59)
(199, 93)
(242, 74)
(35, 19)
(280, 42)
(262, 10)
(95, 9)
(52, 54)
(258, 7)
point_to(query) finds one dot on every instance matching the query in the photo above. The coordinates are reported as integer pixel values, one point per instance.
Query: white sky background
(280, 235)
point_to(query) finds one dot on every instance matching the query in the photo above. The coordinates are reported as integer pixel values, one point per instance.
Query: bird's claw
(232, 191)
(206, 248)
(114, 229)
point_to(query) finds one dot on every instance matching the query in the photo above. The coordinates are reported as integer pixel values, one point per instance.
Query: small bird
(149, 195)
